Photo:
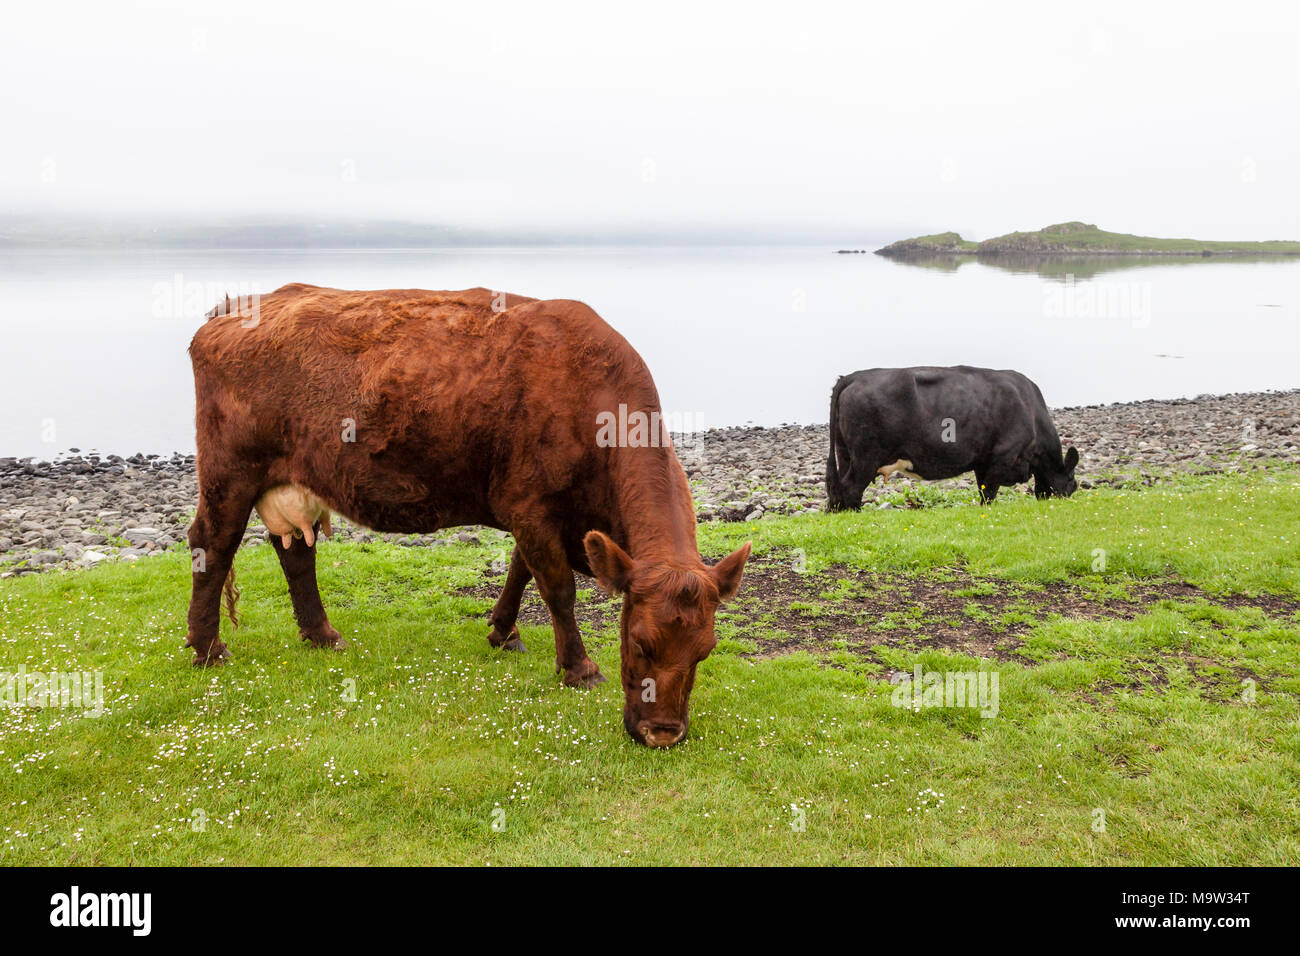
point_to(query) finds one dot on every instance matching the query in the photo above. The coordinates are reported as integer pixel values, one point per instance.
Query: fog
(850, 121)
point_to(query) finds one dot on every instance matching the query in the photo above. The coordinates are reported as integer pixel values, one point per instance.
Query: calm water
(93, 343)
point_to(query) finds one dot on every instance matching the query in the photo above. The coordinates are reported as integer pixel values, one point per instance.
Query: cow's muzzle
(659, 734)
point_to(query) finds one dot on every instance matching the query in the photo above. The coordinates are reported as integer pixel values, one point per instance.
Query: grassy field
(1146, 644)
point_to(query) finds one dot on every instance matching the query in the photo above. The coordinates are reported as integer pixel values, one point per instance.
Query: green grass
(1141, 718)
(1236, 532)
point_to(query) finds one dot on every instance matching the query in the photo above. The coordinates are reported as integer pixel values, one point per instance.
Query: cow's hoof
(217, 653)
(585, 676)
(507, 642)
(324, 636)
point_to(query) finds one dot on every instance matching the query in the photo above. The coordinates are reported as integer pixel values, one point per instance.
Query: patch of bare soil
(859, 610)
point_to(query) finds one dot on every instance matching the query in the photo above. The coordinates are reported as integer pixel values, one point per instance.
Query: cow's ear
(728, 571)
(610, 564)
(1071, 458)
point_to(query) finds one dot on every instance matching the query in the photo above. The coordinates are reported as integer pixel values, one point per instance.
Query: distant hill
(942, 243)
(1080, 238)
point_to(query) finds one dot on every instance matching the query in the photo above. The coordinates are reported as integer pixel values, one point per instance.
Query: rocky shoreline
(83, 510)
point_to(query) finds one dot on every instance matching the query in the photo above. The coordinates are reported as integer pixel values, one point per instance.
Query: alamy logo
(134, 910)
(638, 429)
(181, 299)
(1098, 300)
(82, 690)
(974, 689)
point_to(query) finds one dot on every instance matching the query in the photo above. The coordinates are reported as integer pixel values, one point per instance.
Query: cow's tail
(230, 591)
(834, 490)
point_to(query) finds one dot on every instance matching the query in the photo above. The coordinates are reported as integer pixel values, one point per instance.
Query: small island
(1078, 238)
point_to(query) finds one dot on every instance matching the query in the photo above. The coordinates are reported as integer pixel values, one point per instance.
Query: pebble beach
(83, 509)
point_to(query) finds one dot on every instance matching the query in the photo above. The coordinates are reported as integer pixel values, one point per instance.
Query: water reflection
(94, 342)
(1079, 266)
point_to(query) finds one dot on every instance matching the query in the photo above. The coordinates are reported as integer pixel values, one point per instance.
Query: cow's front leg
(504, 633)
(988, 486)
(554, 576)
(298, 561)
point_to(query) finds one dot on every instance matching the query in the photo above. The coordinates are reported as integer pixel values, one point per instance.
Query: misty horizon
(843, 126)
(36, 231)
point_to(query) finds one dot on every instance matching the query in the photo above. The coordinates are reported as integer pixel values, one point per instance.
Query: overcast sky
(857, 119)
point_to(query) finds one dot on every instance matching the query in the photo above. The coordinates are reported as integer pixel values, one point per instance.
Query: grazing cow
(411, 411)
(939, 423)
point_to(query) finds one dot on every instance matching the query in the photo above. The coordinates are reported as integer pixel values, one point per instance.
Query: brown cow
(411, 411)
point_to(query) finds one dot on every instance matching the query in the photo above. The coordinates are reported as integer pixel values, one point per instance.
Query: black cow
(939, 423)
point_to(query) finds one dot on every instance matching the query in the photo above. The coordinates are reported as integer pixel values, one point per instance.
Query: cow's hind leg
(554, 575)
(504, 633)
(854, 487)
(214, 537)
(298, 561)
(853, 482)
(866, 460)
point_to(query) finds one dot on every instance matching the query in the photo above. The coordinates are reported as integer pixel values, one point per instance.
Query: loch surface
(94, 342)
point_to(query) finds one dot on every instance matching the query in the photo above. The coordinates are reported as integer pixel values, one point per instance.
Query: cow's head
(1060, 480)
(667, 629)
